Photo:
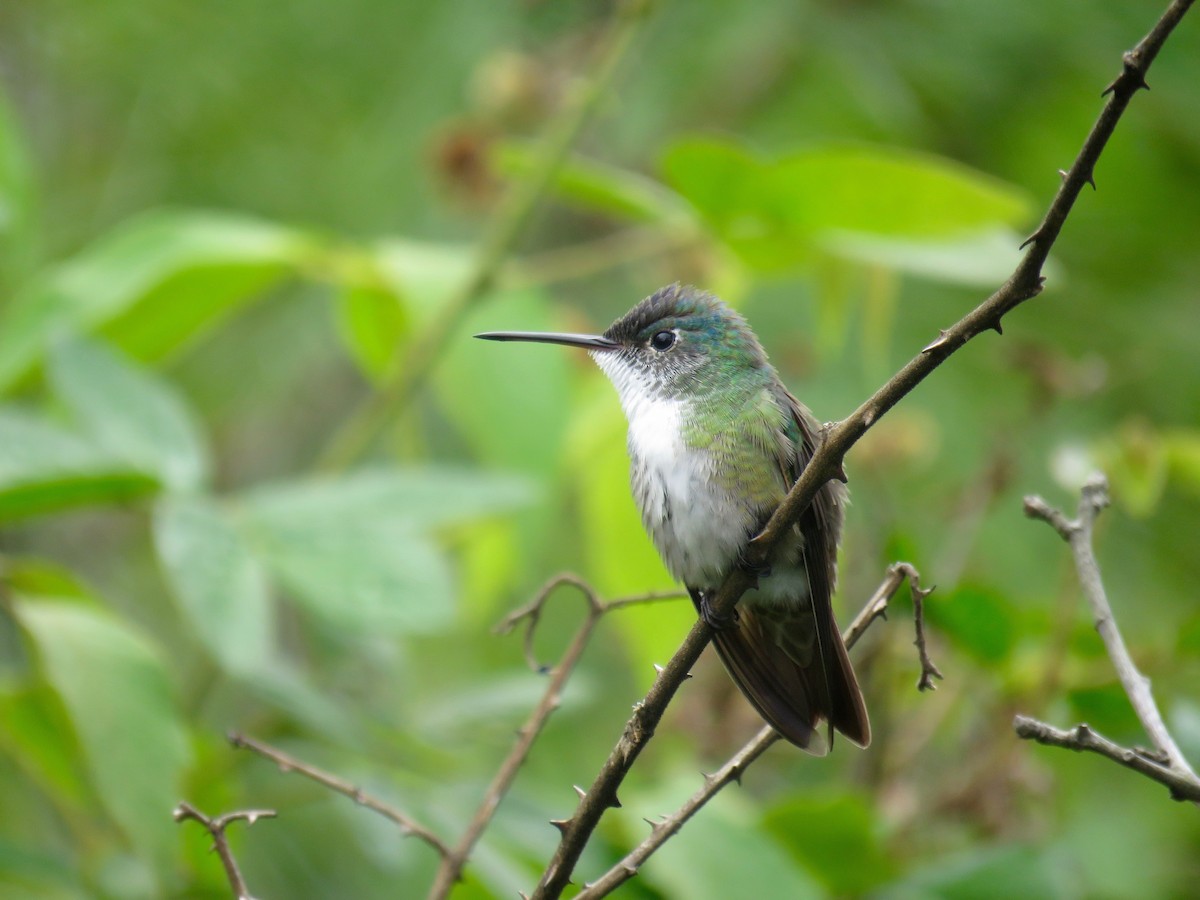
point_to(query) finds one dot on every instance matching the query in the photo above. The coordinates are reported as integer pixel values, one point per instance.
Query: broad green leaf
(977, 619)
(485, 388)
(1106, 708)
(220, 587)
(425, 274)
(774, 213)
(129, 412)
(418, 498)
(836, 837)
(115, 688)
(353, 549)
(369, 576)
(372, 322)
(46, 469)
(150, 284)
(982, 258)
(37, 734)
(600, 187)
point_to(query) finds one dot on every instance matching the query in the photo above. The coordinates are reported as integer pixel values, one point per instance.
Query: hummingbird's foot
(758, 573)
(714, 620)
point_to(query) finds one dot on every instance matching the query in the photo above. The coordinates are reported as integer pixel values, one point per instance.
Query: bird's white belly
(697, 526)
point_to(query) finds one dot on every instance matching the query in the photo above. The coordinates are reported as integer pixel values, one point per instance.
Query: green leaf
(721, 853)
(115, 688)
(992, 873)
(774, 213)
(485, 387)
(980, 259)
(597, 186)
(368, 577)
(353, 550)
(837, 838)
(419, 498)
(220, 587)
(129, 412)
(44, 469)
(1182, 448)
(1136, 461)
(373, 322)
(977, 619)
(16, 191)
(150, 284)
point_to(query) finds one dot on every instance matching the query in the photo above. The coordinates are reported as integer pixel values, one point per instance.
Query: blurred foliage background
(220, 222)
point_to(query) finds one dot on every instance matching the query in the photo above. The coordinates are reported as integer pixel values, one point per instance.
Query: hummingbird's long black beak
(586, 341)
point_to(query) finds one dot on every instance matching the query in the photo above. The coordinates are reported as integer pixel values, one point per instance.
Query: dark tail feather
(795, 698)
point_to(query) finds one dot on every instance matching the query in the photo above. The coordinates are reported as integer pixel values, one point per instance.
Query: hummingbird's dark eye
(663, 340)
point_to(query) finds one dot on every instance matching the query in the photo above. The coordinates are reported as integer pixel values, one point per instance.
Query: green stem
(410, 365)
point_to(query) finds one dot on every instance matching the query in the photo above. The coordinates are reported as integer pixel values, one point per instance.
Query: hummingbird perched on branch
(715, 442)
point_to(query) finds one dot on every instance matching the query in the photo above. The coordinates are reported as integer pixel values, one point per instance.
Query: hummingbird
(715, 442)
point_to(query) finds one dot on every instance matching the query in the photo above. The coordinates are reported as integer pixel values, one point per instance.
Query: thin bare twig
(411, 363)
(453, 862)
(216, 826)
(288, 763)
(661, 830)
(1166, 764)
(826, 463)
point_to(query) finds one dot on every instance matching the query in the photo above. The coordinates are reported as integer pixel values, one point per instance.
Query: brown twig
(826, 463)
(453, 862)
(216, 828)
(287, 763)
(664, 828)
(1166, 764)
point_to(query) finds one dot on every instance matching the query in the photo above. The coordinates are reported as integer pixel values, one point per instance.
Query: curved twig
(1166, 764)
(216, 826)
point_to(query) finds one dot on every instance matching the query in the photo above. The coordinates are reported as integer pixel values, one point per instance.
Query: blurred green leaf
(423, 273)
(978, 619)
(151, 284)
(719, 854)
(371, 578)
(45, 469)
(37, 733)
(1135, 459)
(775, 212)
(372, 322)
(129, 412)
(837, 838)
(419, 498)
(486, 388)
(1182, 447)
(28, 872)
(117, 693)
(982, 259)
(984, 874)
(221, 588)
(353, 548)
(599, 187)
(1106, 708)
(16, 190)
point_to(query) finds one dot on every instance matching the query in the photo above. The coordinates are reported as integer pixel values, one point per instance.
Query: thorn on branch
(997, 327)
(939, 341)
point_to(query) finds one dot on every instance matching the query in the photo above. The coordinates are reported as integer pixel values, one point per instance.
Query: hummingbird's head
(678, 342)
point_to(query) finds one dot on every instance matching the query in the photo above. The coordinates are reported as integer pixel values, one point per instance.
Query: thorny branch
(663, 829)
(288, 763)
(826, 463)
(216, 826)
(1165, 763)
